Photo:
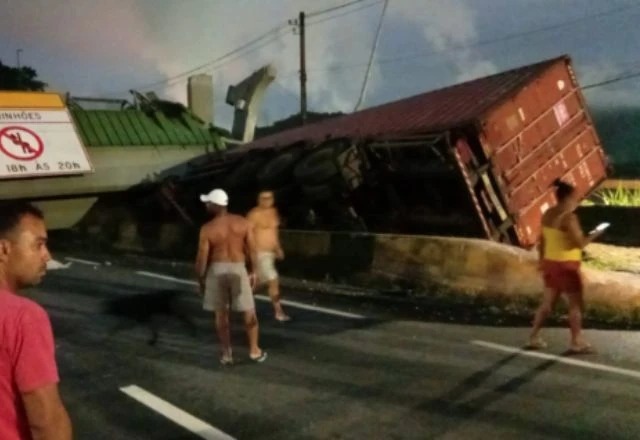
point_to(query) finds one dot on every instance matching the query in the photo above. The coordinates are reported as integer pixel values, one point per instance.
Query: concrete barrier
(472, 266)
(479, 271)
(440, 265)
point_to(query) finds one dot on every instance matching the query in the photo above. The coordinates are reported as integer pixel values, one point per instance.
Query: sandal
(284, 318)
(226, 359)
(536, 344)
(582, 349)
(260, 358)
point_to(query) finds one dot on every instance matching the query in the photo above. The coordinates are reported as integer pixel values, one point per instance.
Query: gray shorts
(227, 284)
(266, 269)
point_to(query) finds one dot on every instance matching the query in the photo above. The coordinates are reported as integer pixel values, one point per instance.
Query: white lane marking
(175, 414)
(559, 359)
(166, 278)
(57, 265)
(314, 308)
(81, 261)
(285, 302)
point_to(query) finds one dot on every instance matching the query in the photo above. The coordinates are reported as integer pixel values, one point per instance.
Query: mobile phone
(601, 227)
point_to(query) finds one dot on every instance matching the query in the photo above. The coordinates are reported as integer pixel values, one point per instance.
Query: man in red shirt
(30, 405)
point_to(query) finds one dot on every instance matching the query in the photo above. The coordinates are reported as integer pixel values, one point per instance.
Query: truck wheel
(286, 194)
(277, 171)
(327, 190)
(245, 173)
(318, 193)
(320, 165)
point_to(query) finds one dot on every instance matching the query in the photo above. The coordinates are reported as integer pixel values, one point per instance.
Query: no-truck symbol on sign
(20, 143)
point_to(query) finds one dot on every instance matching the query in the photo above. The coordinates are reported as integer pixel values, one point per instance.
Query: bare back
(265, 224)
(227, 237)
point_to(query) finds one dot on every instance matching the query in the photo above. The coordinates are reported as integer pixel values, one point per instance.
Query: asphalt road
(378, 375)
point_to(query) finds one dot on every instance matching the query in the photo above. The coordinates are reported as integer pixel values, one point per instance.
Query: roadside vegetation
(620, 196)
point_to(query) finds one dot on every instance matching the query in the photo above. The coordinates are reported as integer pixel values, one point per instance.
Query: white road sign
(40, 143)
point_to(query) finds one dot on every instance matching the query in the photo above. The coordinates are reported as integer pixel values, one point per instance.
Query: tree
(20, 78)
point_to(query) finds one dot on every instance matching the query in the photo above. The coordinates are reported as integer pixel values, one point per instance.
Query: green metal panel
(129, 129)
(169, 131)
(132, 127)
(84, 130)
(119, 130)
(110, 130)
(101, 134)
(158, 137)
(199, 133)
(138, 127)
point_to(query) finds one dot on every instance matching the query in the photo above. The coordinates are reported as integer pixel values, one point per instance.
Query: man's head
(266, 199)
(216, 201)
(23, 245)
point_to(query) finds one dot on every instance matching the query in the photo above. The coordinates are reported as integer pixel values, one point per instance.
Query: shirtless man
(265, 221)
(224, 245)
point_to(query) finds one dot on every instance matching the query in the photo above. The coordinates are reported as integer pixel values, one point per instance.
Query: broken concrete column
(246, 97)
(200, 97)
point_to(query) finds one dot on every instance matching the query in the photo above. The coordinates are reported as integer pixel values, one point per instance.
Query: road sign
(20, 143)
(38, 142)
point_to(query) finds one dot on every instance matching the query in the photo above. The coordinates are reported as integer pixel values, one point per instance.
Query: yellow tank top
(558, 247)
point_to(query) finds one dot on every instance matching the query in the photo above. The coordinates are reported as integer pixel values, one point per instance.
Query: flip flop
(226, 361)
(536, 344)
(583, 349)
(260, 358)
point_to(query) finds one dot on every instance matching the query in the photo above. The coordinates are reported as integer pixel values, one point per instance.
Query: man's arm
(36, 377)
(202, 258)
(279, 250)
(250, 247)
(48, 419)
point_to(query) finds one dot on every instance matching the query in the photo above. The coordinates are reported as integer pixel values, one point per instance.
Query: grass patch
(627, 197)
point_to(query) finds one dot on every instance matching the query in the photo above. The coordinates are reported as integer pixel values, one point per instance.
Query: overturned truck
(475, 159)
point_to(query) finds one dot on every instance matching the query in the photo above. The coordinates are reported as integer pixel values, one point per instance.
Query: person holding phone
(560, 256)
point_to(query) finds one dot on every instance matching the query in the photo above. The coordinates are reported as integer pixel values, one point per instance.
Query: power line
(182, 78)
(484, 42)
(373, 52)
(334, 8)
(274, 33)
(369, 5)
(612, 80)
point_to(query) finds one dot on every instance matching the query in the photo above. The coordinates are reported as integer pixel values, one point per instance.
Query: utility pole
(18, 56)
(303, 71)
(299, 23)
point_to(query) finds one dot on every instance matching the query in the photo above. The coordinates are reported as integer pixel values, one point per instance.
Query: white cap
(217, 197)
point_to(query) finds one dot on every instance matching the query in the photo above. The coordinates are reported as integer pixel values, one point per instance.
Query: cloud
(189, 36)
(104, 31)
(93, 47)
(446, 26)
(622, 93)
(155, 40)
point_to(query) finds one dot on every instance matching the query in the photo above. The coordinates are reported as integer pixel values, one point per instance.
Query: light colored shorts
(227, 284)
(266, 269)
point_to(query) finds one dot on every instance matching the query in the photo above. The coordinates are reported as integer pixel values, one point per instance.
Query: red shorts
(562, 276)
